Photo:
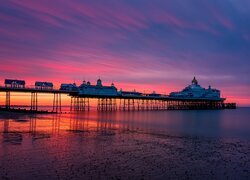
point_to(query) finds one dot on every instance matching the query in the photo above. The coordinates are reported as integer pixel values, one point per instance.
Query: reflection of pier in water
(46, 126)
(15, 127)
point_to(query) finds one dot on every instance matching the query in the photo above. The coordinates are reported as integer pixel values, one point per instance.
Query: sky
(145, 45)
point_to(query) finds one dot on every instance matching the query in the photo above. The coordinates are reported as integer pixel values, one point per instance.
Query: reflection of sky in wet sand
(123, 145)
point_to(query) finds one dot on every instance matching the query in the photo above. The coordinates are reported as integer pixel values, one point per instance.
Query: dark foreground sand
(125, 154)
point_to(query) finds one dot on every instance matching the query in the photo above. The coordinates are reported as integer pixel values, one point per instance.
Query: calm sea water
(208, 123)
(210, 144)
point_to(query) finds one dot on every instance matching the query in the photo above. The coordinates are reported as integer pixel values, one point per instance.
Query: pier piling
(7, 100)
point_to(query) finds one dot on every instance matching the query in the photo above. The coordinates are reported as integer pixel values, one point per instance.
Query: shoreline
(117, 154)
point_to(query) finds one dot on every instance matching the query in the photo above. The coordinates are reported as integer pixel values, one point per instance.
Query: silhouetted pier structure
(56, 107)
(146, 103)
(107, 98)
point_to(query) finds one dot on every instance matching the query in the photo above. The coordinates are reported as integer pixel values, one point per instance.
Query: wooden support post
(120, 104)
(57, 106)
(88, 105)
(138, 104)
(124, 104)
(60, 102)
(7, 100)
(71, 103)
(34, 101)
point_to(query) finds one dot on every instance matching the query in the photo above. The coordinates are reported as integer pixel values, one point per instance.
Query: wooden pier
(114, 103)
(56, 106)
(129, 103)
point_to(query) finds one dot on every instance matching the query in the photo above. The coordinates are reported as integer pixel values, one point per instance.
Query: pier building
(13, 83)
(154, 94)
(98, 89)
(68, 87)
(194, 90)
(129, 93)
(43, 85)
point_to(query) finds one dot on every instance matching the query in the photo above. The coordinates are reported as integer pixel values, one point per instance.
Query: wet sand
(121, 154)
(125, 146)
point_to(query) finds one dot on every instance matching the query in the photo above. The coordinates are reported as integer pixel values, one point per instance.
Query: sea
(126, 144)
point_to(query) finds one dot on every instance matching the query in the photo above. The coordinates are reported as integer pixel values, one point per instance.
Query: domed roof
(194, 81)
(99, 82)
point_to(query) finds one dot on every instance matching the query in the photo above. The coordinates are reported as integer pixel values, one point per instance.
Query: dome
(194, 81)
(88, 83)
(99, 82)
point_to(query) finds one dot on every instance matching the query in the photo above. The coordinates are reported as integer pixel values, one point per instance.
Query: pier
(127, 101)
(145, 103)
(56, 106)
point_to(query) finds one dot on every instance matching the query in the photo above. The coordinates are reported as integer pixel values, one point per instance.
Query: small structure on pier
(43, 85)
(12, 83)
(130, 93)
(69, 87)
(154, 94)
(194, 90)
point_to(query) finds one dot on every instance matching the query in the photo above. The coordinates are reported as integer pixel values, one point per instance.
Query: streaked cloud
(147, 45)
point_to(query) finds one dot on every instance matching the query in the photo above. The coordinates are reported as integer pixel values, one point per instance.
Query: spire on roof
(194, 81)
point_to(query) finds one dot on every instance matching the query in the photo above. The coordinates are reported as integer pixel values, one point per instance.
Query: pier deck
(116, 102)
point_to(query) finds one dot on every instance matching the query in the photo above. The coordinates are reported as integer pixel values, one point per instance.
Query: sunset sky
(137, 44)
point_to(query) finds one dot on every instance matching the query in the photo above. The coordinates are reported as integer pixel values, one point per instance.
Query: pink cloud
(12, 19)
(124, 17)
(121, 42)
(24, 33)
(223, 20)
(170, 19)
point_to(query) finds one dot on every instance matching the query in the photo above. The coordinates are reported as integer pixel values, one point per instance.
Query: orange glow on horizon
(24, 99)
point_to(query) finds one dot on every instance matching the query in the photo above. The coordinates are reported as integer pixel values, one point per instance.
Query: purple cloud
(157, 44)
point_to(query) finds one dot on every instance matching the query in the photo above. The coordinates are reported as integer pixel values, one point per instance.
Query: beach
(53, 147)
